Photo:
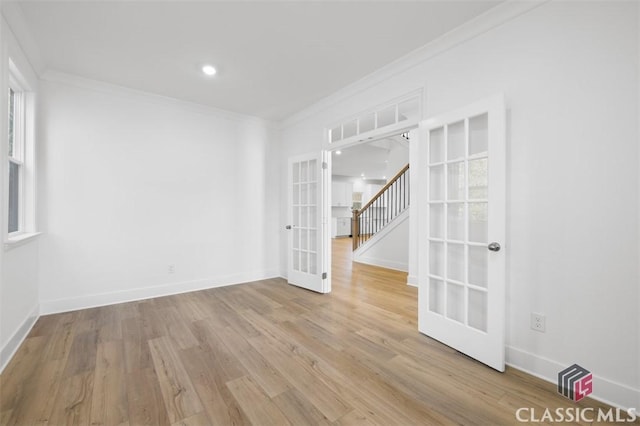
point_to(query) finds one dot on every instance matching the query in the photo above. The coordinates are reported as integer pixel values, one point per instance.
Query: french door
(308, 251)
(461, 295)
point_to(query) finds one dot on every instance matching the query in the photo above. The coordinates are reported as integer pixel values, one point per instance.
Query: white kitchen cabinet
(343, 226)
(340, 227)
(341, 194)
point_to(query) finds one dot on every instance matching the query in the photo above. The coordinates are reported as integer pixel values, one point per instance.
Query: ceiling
(273, 58)
(370, 159)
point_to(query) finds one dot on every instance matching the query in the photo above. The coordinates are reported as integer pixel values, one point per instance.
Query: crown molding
(153, 98)
(14, 20)
(493, 18)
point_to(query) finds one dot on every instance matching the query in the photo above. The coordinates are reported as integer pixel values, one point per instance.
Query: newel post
(355, 228)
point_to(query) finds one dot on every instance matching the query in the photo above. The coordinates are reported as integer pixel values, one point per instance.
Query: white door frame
(370, 136)
(337, 146)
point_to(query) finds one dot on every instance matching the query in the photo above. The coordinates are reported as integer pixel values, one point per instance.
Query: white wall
(398, 158)
(568, 70)
(389, 248)
(18, 264)
(131, 184)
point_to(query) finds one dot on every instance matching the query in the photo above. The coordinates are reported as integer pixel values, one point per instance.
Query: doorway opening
(370, 199)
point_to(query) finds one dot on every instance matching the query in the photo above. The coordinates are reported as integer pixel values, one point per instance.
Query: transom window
(401, 113)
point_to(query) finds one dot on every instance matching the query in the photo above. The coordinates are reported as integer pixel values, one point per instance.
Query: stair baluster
(383, 208)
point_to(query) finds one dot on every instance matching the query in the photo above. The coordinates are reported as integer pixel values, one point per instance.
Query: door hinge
(324, 275)
(324, 165)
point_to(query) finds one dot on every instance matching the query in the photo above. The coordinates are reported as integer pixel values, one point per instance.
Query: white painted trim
(383, 263)
(11, 347)
(412, 280)
(638, 162)
(20, 239)
(103, 299)
(417, 93)
(396, 128)
(140, 95)
(15, 21)
(494, 17)
(604, 390)
(372, 136)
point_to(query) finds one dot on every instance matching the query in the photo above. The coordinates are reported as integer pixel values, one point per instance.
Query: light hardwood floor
(263, 353)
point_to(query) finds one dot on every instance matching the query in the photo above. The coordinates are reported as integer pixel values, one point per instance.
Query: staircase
(384, 207)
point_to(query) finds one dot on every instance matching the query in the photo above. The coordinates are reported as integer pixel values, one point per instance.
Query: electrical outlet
(171, 269)
(538, 322)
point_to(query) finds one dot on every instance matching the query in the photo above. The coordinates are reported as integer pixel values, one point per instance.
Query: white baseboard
(604, 390)
(412, 280)
(9, 349)
(103, 299)
(384, 263)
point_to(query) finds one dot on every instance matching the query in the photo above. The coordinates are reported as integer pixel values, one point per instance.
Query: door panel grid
(457, 226)
(307, 195)
(461, 274)
(304, 216)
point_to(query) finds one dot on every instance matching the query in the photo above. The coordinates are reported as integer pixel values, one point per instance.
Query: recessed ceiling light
(209, 70)
(362, 174)
(338, 152)
(384, 177)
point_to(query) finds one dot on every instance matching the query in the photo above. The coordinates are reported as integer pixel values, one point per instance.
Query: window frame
(17, 156)
(24, 154)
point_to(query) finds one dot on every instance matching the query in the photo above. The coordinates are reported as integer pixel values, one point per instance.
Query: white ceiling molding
(273, 58)
(490, 19)
(153, 98)
(18, 59)
(14, 19)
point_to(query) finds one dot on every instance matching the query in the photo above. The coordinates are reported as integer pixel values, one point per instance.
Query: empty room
(310, 212)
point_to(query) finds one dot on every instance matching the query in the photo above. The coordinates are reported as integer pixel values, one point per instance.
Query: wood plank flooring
(263, 353)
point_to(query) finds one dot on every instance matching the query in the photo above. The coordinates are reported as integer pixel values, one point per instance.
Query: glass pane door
(308, 253)
(304, 216)
(457, 226)
(461, 211)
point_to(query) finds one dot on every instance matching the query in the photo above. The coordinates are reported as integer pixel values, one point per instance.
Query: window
(16, 162)
(405, 112)
(20, 186)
